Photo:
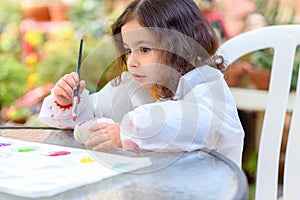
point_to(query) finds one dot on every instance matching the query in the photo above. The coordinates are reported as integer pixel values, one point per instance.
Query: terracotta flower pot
(234, 74)
(58, 11)
(36, 12)
(260, 77)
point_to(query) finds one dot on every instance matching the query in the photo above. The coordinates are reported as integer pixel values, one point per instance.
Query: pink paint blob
(60, 153)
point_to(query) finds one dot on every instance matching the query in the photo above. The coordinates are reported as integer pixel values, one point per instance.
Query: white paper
(28, 170)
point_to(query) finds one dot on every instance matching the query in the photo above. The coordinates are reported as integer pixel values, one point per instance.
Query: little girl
(172, 95)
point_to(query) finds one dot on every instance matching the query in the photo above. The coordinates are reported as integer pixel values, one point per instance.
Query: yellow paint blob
(86, 160)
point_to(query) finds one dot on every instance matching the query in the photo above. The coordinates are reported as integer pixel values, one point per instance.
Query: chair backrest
(284, 40)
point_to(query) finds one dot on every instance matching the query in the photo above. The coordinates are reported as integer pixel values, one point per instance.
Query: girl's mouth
(137, 76)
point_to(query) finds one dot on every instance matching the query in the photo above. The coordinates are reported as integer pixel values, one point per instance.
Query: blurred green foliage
(13, 75)
(10, 12)
(56, 52)
(88, 16)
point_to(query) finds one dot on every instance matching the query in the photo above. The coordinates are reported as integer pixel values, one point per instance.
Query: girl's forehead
(131, 25)
(133, 33)
(138, 36)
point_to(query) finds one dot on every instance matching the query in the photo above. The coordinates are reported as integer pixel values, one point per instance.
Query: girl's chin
(147, 85)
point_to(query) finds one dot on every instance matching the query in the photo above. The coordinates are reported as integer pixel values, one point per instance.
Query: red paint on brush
(74, 118)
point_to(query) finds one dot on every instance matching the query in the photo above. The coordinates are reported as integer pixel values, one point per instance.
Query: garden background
(39, 42)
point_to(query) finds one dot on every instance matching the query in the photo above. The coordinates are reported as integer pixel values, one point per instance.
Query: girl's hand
(63, 90)
(104, 136)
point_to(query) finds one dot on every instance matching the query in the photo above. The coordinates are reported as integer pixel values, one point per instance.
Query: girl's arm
(56, 115)
(111, 102)
(186, 125)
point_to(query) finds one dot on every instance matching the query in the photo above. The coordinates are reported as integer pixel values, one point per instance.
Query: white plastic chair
(284, 40)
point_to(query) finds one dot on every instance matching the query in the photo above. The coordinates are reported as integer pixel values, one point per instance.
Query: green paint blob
(26, 149)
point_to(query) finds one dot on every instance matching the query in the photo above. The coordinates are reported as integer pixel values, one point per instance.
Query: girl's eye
(144, 49)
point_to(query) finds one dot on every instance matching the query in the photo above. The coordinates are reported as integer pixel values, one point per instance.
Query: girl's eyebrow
(137, 43)
(143, 42)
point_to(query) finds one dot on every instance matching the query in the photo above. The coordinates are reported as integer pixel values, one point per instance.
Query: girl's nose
(132, 60)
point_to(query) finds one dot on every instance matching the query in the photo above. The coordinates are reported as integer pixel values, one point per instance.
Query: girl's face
(142, 57)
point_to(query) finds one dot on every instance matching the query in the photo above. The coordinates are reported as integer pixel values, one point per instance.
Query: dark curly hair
(186, 38)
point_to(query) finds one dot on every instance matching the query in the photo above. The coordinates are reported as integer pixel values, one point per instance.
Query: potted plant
(261, 61)
(261, 65)
(36, 10)
(58, 10)
(259, 70)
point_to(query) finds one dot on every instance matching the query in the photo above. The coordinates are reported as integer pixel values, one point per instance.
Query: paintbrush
(76, 91)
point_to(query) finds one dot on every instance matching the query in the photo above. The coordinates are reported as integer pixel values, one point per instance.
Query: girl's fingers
(75, 76)
(96, 138)
(65, 86)
(65, 89)
(72, 80)
(102, 134)
(99, 126)
(105, 145)
(82, 86)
